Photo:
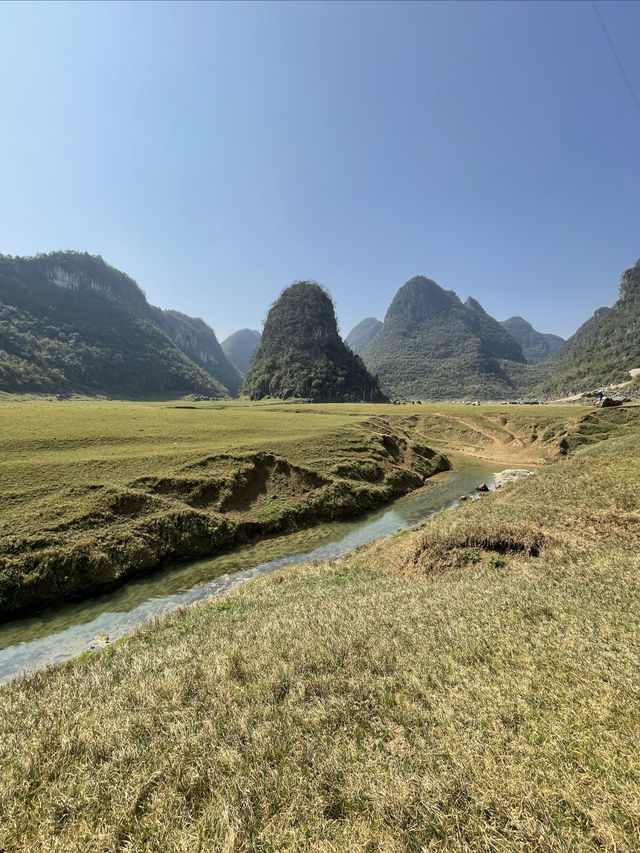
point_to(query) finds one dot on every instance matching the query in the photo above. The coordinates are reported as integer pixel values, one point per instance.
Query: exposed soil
(454, 552)
(267, 476)
(497, 440)
(497, 437)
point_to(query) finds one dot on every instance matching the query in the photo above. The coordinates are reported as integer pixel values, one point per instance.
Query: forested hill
(69, 322)
(302, 354)
(604, 349)
(240, 346)
(536, 346)
(432, 345)
(198, 341)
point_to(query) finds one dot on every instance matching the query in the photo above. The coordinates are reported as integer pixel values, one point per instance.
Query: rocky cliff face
(80, 272)
(198, 341)
(302, 355)
(431, 345)
(74, 281)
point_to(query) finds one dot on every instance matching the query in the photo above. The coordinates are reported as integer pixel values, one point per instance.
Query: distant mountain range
(302, 355)
(240, 346)
(431, 344)
(536, 346)
(69, 322)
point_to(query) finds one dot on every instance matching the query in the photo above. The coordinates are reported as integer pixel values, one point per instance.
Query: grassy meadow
(468, 685)
(95, 492)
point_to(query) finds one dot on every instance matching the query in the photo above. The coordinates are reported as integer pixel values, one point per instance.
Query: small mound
(127, 503)
(440, 553)
(265, 475)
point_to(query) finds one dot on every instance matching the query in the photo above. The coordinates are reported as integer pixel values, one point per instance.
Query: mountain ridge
(536, 346)
(71, 323)
(604, 349)
(432, 345)
(198, 341)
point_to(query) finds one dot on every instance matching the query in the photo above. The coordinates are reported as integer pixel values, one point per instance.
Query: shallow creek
(54, 635)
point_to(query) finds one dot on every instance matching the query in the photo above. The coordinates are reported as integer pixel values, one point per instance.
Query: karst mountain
(604, 349)
(240, 346)
(302, 355)
(433, 345)
(362, 334)
(536, 346)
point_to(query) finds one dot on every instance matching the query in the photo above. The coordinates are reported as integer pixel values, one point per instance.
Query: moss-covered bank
(213, 502)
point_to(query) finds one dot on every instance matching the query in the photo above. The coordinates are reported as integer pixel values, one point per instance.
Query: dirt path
(572, 399)
(495, 443)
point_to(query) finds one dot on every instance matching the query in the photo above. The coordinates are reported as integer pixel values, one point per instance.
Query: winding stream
(54, 635)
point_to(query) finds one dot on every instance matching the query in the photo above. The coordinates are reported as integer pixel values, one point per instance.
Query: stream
(54, 635)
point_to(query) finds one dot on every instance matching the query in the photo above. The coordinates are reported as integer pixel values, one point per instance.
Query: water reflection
(51, 636)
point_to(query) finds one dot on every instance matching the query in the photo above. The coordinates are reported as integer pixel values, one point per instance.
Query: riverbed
(54, 635)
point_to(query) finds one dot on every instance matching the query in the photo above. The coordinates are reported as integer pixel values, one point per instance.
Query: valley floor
(94, 493)
(471, 685)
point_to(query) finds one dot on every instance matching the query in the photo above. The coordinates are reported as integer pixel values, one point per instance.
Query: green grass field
(95, 492)
(471, 685)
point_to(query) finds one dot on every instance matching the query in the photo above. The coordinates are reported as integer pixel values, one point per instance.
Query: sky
(216, 152)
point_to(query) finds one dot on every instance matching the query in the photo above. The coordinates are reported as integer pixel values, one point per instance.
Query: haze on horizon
(216, 152)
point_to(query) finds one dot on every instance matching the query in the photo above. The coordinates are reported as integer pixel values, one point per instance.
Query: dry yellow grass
(363, 706)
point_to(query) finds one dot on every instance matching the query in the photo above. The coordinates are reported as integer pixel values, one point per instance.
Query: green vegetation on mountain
(471, 685)
(536, 346)
(69, 322)
(198, 341)
(431, 345)
(302, 355)
(363, 334)
(240, 346)
(604, 349)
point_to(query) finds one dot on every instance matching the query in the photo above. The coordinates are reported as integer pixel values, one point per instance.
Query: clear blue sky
(216, 152)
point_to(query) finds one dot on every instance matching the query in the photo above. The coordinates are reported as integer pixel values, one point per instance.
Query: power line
(617, 58)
